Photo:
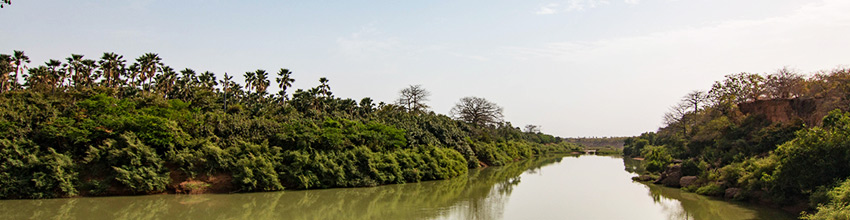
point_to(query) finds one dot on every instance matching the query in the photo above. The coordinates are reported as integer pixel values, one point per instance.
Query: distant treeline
(616, 142)
(768, 153)
(85, 127)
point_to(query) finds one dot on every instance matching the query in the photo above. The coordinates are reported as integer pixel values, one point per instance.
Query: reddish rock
(686, 181)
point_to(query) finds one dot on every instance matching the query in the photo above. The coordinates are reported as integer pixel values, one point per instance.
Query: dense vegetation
(101, 127)
(787, 161)
(614, 142)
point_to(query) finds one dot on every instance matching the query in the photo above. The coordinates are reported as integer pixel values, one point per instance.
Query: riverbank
(101, 141)
(674, 177)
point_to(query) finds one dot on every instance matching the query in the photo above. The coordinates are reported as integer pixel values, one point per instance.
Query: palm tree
(112, 65)
(72, 66)
(284, 81)
(55, 74)
(186, 84)
(225, 83)
(38, 78)
(148, 65)
(165, 82)
(88, 74)
(249, 80)
(324, 89)
(261, 81)
(207, 80)
(5, 71)
(20, 58)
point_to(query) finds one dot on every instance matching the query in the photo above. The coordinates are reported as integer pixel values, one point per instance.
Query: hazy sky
(575, 67)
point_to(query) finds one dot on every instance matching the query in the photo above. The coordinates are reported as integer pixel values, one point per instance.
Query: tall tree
(148, 65)
(676, 117)
(250, 78)
(20, 64)
(477, 111)
(165, 81)
(3, 3)
(261, 81)
(6, 69)
(87, 72)
(324, 89)
(112, 67)
(413, 98)
(226, 87)
(284, 81)
(695, 99)
(56, 73)
(207, 80)
(72, 66)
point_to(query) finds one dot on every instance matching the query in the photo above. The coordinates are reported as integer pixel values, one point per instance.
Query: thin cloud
(547, 9)
(733, 37)
(581, 5)
(573, 5)
(632, 2)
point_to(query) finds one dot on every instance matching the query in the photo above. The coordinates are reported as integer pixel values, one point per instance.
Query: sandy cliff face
(810, 110)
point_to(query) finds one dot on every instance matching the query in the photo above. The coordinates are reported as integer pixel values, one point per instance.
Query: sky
(576, 68)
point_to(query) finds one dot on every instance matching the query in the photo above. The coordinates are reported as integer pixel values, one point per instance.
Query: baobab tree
(695, 99)
(477, 111)
(413, 98)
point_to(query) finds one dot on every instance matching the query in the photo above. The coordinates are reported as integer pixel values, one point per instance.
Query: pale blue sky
(575, 67)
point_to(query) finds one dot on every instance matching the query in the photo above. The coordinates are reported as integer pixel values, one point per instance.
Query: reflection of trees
(693, 206)
(633, 166)
(481, 195)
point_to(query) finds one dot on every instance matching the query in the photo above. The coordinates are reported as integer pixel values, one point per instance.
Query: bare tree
(413, 98)
(477, 111)
(695, 99)
(676, 116)
(532, 128)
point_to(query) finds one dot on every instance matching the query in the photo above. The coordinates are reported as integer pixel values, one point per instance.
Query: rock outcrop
(671, 176)
(811, 111)
(686, 181)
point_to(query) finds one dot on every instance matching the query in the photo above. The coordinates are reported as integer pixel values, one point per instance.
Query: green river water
(586, 187)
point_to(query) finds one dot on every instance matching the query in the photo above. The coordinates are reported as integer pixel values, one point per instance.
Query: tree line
(787, 162)
(112, 126)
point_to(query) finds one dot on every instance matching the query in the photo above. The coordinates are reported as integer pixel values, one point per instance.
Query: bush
(130, 163)
(657, 158)
(816, 157)
(27, 171)
(711, 189)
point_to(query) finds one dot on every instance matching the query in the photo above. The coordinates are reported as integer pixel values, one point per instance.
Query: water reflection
(678, 204)
(481, 195)
(589, 187)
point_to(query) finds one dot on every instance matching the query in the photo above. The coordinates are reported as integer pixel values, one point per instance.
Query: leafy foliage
(786, 158)
(90, 127)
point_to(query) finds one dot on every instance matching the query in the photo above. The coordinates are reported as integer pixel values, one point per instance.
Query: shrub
(711, 189)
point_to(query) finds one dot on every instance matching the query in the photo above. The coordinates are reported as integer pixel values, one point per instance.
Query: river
(586, 187)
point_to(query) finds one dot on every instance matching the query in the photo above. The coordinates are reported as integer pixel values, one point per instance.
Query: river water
(586, 187)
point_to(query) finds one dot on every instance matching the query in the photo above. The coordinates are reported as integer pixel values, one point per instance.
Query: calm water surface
(587, 187)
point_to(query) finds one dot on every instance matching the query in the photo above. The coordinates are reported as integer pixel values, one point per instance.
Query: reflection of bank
(634, 166)
(684, 205)
(481, 194)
